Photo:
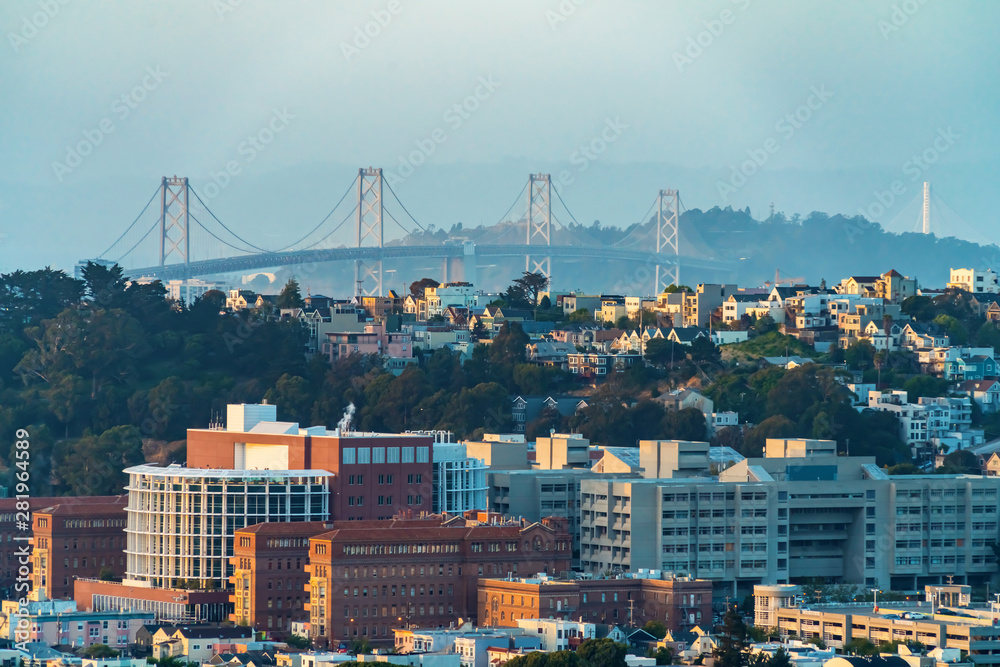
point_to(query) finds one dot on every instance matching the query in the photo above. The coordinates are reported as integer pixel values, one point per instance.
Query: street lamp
(876, 592)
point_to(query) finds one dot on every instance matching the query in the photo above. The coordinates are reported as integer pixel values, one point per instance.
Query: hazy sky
(832, 99)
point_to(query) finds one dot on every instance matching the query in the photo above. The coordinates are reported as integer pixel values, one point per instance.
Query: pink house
(373, 340)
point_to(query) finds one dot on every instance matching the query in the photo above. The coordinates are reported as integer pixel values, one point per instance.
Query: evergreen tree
(731, 650)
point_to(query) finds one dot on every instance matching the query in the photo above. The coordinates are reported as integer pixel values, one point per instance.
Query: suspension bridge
(186, 239)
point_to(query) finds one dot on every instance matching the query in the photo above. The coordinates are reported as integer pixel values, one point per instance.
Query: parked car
(891, 616)
(914, 615)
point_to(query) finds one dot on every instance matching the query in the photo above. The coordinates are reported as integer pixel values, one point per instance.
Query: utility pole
(631, 612)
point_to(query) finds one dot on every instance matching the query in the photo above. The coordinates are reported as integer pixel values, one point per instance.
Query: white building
(450, 294)
(459, 480)
(938, 421)
(191, 289)
(555, 633)
(974, 280)
(181, 521)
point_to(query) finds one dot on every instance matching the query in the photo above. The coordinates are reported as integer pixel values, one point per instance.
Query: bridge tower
(368, 275)
(667, 218)
(539, 223)
(174, 236)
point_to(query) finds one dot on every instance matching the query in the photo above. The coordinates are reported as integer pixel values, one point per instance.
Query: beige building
(800, 512)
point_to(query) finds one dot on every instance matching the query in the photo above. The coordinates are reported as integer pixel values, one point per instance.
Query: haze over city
(830, 102)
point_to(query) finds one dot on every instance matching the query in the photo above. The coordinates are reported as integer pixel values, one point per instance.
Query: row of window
(380, 455)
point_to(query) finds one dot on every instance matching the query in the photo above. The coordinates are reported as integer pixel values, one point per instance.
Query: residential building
(550, 353)
(525, 409)
(268, 583)
(680, 603)
(380, 306)
(597, 366)
(699, 305)
(366, 579)
(556, 634)
(191, 289)
(986, 393)
(891, 286)
(612, 308)
(737, 305)
(195, 644)
(75, 540)
(929, 419)
(374, 339)
(59, 622)
(974, 280)
(459, 480)
(687, 334)
(450, 294)
(574, 302)
(800, 512)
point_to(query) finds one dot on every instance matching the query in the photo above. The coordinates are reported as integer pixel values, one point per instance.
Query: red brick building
(8, 531)
(77, 540)
(269, 582)
(679, 603)
(376, 476)
(366, 579)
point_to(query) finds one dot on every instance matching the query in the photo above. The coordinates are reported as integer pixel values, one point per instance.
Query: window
(348, 455)
(378, 455)
(392, 456)
(407, 454)
(364, 455)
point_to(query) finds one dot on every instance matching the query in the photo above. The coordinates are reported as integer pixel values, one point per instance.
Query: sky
(270, 108)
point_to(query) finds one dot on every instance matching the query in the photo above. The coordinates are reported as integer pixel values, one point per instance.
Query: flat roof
(219, 473)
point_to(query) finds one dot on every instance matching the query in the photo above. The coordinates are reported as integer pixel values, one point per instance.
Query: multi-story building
(11, 534)
(699, 305)
(59, 622)
(800, 512)
(974, 280)
(372, 475)
(929, 420)
(460, 294)
(181, 521)
(76, 540)
(191, 289)
(368, 578)
(680, 603)
(459, 480)
(598, 365)
(534, 494)
(374, 339)
(269, 581)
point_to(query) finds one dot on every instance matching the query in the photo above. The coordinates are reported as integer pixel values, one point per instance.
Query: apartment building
(368, 578)
(680, 603)
(61, 623)
(800, 512)
(75, 540)
(269, 581)
(931, 420)
(974, 280)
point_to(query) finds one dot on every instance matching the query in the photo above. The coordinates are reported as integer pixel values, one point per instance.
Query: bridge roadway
(258, 261)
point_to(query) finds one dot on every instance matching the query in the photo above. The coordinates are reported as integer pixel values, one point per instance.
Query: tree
(580, 315)
(779, 659)
(298, 641)
(662, 352)
(777, 426)
(704, 350)
(860, 646)
(731, 649)
(106, 574)
(960, 462)
(417, 287)
(290, 295)
(478, 332)
(98, 651)
(602, 653)
(656, 628)
(663, 655)
(532, 284)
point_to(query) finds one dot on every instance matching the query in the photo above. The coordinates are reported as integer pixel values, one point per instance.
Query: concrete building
(191, 289)
(680, 603)
(557, 634)
(368, 578)
(500, 451)
(779, 519)
(562, 451)
(699, 305)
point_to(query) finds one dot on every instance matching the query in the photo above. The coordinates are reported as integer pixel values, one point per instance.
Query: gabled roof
(978, 385)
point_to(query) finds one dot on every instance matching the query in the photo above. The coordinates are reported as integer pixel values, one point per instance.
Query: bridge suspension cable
(402, 206)
(127, 230)
(136, 245)
(349, 215)
(325, 218)
(243, 240)
(636, 226)
(220, 240)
